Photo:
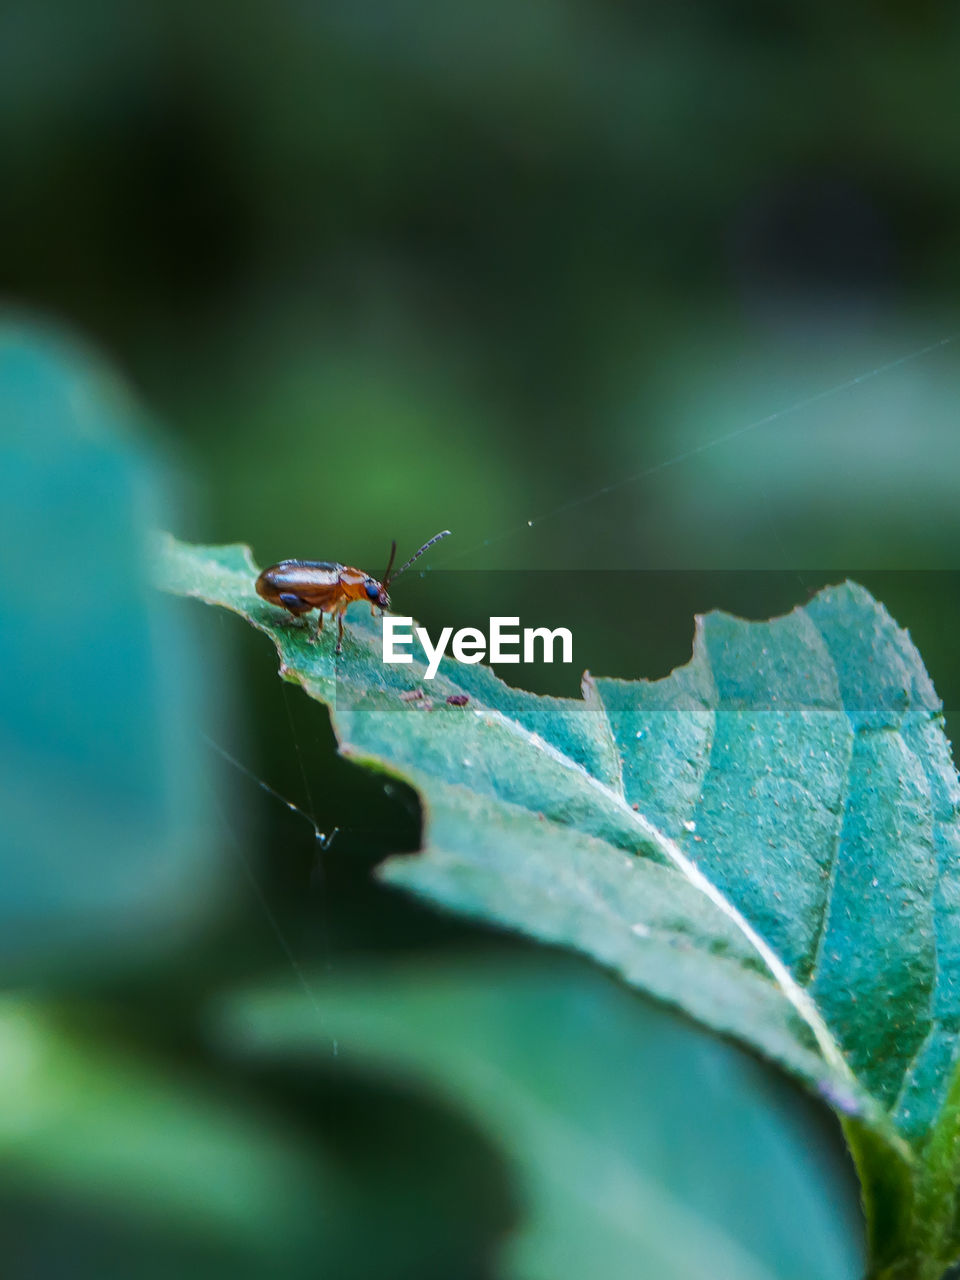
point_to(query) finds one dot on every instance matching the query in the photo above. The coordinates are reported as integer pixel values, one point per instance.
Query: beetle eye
(373, 589)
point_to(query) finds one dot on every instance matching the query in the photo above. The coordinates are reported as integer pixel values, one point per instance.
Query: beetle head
(377, 593)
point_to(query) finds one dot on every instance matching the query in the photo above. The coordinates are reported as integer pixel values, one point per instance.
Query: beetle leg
(295, 606)
(339, 648)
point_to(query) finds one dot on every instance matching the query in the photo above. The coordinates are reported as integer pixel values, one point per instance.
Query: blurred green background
(372, 270)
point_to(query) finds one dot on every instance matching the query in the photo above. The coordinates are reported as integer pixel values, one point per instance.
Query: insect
(301, 585)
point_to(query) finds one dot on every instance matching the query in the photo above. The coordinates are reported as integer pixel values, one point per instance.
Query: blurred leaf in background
(111, 1166)
(107, 848)
(638, 1146)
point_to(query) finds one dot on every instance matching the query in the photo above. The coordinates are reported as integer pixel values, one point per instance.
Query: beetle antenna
(416, 555)
(386, 573)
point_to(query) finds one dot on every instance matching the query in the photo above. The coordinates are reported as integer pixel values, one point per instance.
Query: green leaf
(174, 1177)
(767, 839)
(105, 844)
(637, 1145)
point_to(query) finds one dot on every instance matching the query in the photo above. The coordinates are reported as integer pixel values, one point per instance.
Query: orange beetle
(301, 585)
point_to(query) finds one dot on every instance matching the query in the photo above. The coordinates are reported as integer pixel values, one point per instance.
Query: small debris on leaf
(458, 699)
